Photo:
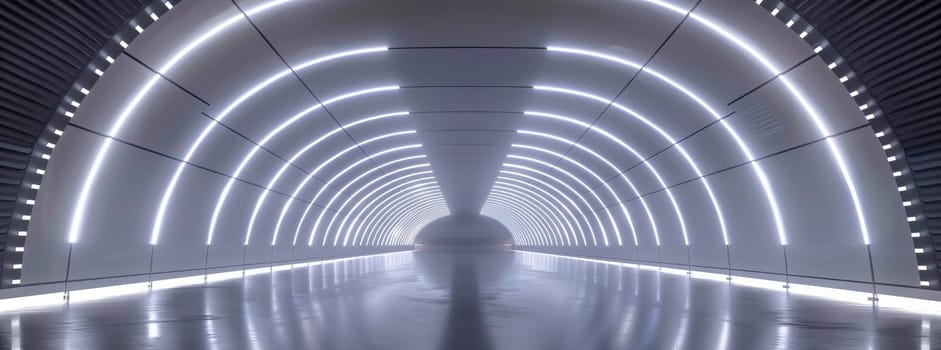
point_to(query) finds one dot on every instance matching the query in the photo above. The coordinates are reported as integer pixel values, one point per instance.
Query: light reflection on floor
(466, 300)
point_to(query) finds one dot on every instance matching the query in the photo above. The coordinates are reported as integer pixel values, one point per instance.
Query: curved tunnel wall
(199, 147)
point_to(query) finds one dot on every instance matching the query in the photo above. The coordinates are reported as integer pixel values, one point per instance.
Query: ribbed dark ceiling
(895, 49)
(46, 46)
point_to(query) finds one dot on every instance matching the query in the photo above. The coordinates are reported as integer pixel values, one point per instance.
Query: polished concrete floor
(466, 300)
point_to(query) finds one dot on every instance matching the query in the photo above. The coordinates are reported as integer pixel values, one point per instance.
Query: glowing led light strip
(814, 116)
(359, 209)
(409, 222)
(386, 208)
(371, 207)
(431, 216)
(412, 224)
(692, 164)
(892, 302)
(78, 216)
(386, 229)
(650, 167)
(643, 202)
(409, 211)
(20, 304)
(300, 187)
(515, 228)
(341, 190)
(539, 234)
(517, 231)
(547, 204)
(508, 179)
(756, 168)
(395, 229)
(580, 182)
(364, 187)
(220, 203)
(555, 179)
(274, 180)
(540, 228)
(593, 174)
(171, 187)
(415, 227)
(542, 224)
(545, 216)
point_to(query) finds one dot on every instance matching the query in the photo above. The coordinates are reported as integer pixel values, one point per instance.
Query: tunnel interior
(589, 158)
(464, 231)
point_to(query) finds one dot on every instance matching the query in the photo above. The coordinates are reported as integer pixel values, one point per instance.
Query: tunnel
(608, 174)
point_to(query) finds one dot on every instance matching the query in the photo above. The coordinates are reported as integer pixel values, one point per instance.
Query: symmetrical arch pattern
(615, 149)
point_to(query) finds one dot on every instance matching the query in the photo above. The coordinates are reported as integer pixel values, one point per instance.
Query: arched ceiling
(692, 132)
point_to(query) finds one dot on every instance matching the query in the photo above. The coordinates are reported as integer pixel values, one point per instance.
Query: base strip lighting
(19, 304)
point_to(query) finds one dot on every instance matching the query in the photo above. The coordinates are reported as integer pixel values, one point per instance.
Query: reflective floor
(466, 300)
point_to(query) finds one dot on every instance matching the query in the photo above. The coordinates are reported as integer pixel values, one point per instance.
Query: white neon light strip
(756, 168)
(547, 204)
(569, 188)
(359, 208)
(371, 207)
(663, 134)
(385, 228)
(338, 175)
(650, 167)
(597, 177)
(389, 207)
(615, 169)
(412, 224)
(362, 188)
(514, 181)
(355, 208)
(78, 216)
(161, 212)
(537, 234)
(516, 229)
(509, 196)
(324, 164)
(274, 180)
(408, 210)
(823, 129)
(220, 202)
(541, 223)
(19, 304)
(407, 222)
(906, 304)
(416, 227)
(386, 207)
(580, 182)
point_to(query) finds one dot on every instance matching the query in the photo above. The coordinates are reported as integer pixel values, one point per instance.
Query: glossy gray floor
(466, 300)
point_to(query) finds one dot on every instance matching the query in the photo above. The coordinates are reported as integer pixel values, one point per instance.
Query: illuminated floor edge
(79, 295)
(900, 303)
